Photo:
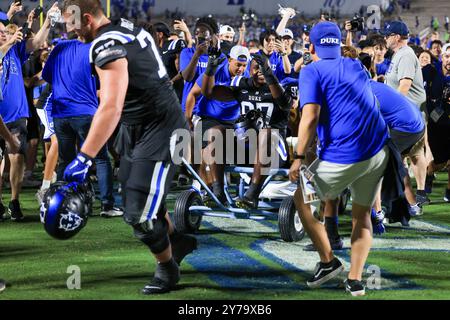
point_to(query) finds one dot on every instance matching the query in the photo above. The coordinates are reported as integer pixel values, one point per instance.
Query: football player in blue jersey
(217, 115)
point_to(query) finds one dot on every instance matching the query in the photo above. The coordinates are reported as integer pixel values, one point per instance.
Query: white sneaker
(111, 211)
(415, 210)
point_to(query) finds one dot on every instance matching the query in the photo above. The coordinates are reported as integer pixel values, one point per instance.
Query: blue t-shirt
(398, 111)
(185, 58)
(69, 72)
(383, 67)
(223, 111)
(351, 128)
(276, 61)
(37, 91)
(14, 105)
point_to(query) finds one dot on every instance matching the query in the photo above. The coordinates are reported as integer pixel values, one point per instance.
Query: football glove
(78, 169)
(265, 68)
(213, 63)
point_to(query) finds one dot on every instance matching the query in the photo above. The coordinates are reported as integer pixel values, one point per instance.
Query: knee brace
(153, 233)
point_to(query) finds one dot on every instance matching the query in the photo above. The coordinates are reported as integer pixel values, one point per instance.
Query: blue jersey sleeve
(185, 58)
(47, 71)
(200, 80)
(21, 50)
(309, 86)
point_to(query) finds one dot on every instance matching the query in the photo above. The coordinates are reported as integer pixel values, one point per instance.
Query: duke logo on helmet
(65, 208)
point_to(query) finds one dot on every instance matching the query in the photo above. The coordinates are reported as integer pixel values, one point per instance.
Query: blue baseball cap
(326, 38)
(396, 27)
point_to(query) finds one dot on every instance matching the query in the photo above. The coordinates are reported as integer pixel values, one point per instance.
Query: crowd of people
(362, 106)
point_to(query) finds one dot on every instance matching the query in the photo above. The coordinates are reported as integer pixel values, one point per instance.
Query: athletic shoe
(247, 203)
(209, 201)
(415, 210)
(336, 244)
(2, 285)
(447, 195)
(15, 211)
(40, 195)
(109, 211)
(355, 287)
(182, 245)
(325, 272)
(429, 183)
(166, 277)
(377, 221)
(421, 200)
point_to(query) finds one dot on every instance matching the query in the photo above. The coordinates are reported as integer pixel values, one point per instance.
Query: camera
(446, 94)
(38, 11)
(201, 40)
(307, 59)
(326, 16)
(357, 24)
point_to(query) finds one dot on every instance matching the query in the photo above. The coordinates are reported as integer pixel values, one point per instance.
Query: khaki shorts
(363, 178)
(418, 148)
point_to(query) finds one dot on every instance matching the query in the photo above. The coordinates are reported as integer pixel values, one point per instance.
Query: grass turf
(114, 265)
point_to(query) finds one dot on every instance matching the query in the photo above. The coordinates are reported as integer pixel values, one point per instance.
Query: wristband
(299, 156)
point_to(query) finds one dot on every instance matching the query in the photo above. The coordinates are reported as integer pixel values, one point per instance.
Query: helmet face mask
(65, 208)
(252, 120)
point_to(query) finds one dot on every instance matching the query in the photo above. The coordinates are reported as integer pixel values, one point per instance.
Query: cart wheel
(343, 201)
(291, 228)
(183, 220)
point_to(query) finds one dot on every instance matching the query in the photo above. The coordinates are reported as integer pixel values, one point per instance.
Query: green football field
(236, 259)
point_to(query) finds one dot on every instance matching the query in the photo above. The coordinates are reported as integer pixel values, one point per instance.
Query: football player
(260, 91)
(135, 90)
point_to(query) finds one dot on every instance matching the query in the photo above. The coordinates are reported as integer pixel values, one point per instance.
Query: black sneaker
(421, 200)
(170, 272)
(15, 211)
(447, 195)
(355, 287)
(182, 245)
(247, 203)
(209, 201)
(2, 285)
(325, 272)
(336, 244)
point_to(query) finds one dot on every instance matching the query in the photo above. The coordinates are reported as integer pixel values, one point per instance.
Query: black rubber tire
(287, 219)
(185, 222)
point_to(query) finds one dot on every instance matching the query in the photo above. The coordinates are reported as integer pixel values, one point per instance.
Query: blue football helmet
(65, 208)
(253, 119)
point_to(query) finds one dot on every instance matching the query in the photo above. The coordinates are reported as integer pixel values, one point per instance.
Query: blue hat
(396, 27)
(326, 38)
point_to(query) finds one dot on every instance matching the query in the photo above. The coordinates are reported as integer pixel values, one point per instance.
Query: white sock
(45, 184)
